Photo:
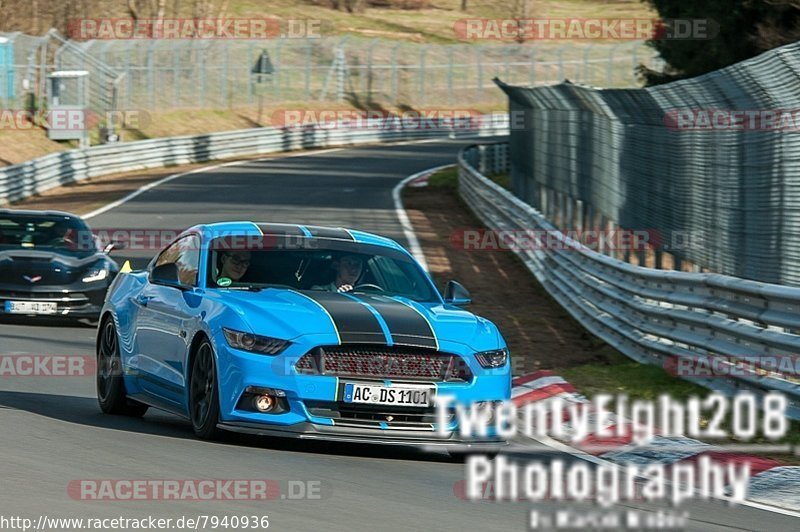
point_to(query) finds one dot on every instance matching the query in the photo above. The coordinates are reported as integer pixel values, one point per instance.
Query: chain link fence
(643, 159)
(190, 73)
(161, 74)
(24, 69)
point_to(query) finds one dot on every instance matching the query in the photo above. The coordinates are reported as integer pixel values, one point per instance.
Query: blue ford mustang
(291, 330)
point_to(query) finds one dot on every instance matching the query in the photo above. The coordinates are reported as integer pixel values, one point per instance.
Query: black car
(52, 265)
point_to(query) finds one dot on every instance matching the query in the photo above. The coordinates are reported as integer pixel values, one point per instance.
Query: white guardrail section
(25, 179)
(651, 316)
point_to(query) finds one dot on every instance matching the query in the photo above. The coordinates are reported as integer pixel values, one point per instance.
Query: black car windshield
(317, 264)
(64, 234)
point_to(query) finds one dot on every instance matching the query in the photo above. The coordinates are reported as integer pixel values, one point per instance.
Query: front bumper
(309, 396)
(71, 301)
(312, 431)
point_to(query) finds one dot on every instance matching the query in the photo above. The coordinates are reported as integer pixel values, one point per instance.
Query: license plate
(376, 394)
(30, 307)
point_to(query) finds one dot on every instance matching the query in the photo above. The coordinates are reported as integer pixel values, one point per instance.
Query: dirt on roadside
(540, 334)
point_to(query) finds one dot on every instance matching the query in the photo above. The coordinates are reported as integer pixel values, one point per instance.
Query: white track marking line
(402, 215)
(154, 184)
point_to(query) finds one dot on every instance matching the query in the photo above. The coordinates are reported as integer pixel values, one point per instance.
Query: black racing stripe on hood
(281, 229)
(329, 232)
(355, 322)
(405, 324)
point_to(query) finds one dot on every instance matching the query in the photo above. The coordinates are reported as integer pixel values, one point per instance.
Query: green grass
(446, 178)
(504, 180)
(646, 382)
(623, 375)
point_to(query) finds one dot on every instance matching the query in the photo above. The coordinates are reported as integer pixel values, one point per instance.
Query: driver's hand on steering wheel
(345, 288)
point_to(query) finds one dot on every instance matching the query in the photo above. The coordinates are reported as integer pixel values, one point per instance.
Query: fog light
(265, 403)
(486, 406)
(263, 400)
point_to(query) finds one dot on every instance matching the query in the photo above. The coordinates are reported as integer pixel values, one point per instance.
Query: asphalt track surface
(52, 432)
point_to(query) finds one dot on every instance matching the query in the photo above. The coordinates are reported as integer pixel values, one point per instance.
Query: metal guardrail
(652, 316)
(22, 180)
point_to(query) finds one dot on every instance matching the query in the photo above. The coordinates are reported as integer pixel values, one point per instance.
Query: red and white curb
(421, 181)
(771, 483)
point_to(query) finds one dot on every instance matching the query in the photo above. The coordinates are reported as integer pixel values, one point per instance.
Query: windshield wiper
(248, 288)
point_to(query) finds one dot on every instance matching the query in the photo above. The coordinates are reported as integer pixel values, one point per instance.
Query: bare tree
(133, 9)
(161, 9)
(223, 9)
(521, 9)
(35, 16)
(354, 6)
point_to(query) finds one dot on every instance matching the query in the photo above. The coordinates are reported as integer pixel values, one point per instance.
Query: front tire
(203, 393)
(111, 394)
(460, 457)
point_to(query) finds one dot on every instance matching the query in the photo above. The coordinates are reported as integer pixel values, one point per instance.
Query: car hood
(360, 318)
(26, 267)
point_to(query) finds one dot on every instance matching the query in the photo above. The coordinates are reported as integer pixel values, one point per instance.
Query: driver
(234, 264)
(348, 270)
(63, 237)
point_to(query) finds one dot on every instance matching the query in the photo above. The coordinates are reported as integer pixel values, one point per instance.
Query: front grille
(414, 364)
(50, 274)
(376, 416)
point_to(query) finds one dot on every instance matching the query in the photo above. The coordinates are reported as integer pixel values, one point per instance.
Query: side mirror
(456, 294)
(111, 246)
(166, 274)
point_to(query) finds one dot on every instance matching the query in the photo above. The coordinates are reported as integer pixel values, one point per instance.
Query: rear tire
(203, 393)
(111, 394)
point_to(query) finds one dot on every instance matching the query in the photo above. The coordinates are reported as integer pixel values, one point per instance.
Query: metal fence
(23, 80)
(619, 156)
(170, 74)
(653, 316)
(21, 73)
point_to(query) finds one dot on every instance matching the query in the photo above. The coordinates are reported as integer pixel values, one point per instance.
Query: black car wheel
(111, 392)
(203, 394)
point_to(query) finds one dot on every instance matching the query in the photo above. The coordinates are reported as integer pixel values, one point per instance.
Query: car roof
(248, 228)
(32, 212)
(38, 212)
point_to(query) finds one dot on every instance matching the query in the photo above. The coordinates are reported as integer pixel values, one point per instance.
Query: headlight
(95, 274)
(492, 359)
(255, 343)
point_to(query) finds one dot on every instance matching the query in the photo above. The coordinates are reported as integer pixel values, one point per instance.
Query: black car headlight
(255, 343)
(492, 359)
(96, 274)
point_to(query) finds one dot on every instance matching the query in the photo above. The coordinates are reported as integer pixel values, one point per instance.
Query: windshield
(318, 264)
(50, 232)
